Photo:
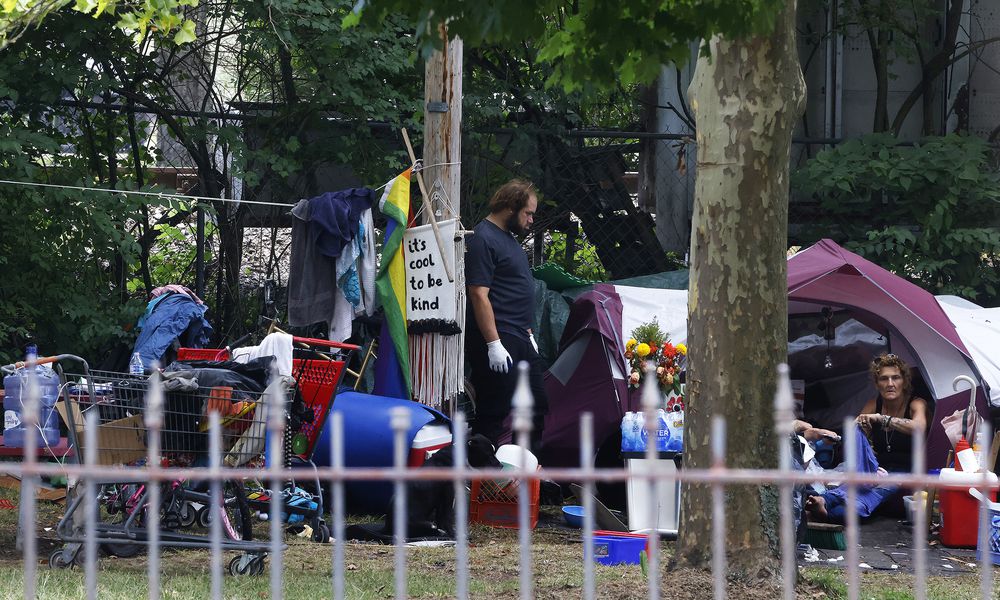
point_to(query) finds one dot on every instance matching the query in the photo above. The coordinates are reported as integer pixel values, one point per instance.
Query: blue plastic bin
(623, 549)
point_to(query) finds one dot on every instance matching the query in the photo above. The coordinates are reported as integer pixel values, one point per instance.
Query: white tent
(979, 329)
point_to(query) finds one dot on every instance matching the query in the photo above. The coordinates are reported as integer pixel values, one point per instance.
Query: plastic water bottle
(663, 433)
(135, 366)
(627, 432)
(675, 421)
(981, 445)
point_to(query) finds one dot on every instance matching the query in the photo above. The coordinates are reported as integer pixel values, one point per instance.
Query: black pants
(494, 391)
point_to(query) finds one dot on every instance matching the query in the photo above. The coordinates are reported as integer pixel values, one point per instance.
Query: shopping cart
(118, 403)
(317, 368)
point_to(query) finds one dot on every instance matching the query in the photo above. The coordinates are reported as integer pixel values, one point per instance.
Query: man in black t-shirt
(501, 294)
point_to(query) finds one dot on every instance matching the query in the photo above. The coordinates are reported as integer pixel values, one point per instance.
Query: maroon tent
(588, 376)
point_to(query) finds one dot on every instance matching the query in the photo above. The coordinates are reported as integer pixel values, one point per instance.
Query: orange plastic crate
(492, 505)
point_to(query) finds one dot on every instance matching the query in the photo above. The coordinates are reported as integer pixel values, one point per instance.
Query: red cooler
(959, 510)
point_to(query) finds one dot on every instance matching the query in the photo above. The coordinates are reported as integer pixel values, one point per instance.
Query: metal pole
(587, 464)
(275, 402)
(215, 511)
(461, 511)
(154, 424)
(399, 421)
(31, 405)
(522, 405)
(650, 402)
(851, 511)
(719, 510)
(783, 429)
(199, 261)
(919, 521)
(337, 493)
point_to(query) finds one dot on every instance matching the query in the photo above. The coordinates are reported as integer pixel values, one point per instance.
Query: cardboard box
(119, 442)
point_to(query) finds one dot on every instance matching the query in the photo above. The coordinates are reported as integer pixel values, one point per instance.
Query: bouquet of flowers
(649, 343)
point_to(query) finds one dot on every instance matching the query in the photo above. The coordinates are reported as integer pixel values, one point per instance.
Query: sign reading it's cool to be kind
(429, 294)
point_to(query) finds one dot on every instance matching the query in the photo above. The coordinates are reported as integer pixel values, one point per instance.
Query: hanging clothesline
(170, 196)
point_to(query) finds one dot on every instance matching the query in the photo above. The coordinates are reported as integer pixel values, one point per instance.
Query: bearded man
(501, 293)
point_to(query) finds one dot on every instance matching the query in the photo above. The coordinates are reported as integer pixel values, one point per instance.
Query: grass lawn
(494, 556)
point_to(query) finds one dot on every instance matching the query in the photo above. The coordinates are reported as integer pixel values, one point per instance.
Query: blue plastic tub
(619, 549)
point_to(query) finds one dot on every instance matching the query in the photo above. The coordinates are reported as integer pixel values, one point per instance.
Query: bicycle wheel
(238, 524)
(117, 502)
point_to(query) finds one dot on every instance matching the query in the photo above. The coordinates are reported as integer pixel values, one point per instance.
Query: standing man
(501, 293)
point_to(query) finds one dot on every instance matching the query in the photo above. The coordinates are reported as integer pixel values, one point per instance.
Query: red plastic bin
(492, 505)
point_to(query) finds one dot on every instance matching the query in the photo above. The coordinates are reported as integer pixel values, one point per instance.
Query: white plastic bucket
(512, 457)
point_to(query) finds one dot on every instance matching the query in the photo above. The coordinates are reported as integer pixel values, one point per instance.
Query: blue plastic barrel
(368, 442)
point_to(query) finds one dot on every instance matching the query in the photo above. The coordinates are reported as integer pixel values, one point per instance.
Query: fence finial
(523, 402)
(783, 406)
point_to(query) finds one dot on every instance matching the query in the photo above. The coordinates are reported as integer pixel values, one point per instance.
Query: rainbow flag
(392, 369)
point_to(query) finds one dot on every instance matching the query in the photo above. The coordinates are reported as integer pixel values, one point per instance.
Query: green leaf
(186, 33)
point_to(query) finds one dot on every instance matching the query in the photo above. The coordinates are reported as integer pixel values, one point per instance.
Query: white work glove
(500, 359)
(534, 344)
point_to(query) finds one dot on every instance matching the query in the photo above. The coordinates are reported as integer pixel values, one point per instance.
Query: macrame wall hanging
(435, 298)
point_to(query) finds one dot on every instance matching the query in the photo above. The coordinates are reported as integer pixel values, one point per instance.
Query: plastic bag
(955, 428)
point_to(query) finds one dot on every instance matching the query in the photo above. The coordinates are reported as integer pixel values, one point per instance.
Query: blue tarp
(169, 318)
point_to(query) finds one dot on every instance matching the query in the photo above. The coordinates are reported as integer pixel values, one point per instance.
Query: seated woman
(888, 421)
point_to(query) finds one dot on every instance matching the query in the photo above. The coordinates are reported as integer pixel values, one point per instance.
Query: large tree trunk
(747, 98)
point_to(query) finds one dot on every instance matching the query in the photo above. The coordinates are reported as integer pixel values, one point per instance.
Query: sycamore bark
(746, 97)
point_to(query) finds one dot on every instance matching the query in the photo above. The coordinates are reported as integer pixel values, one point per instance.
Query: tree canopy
(590, 42)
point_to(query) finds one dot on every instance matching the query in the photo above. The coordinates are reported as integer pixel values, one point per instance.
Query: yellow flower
(630, 344)
(682, 348)
(642, 350)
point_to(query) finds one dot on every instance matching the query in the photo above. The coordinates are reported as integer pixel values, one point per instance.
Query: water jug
(15, 390)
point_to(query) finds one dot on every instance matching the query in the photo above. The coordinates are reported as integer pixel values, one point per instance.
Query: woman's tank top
(894, 449)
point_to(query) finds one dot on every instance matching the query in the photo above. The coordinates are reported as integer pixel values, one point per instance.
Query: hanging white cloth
(278, 345)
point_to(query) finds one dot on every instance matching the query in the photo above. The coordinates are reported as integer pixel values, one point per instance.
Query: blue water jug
(15, 387)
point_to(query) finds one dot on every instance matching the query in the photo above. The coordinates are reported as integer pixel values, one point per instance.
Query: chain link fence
(607, 198)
